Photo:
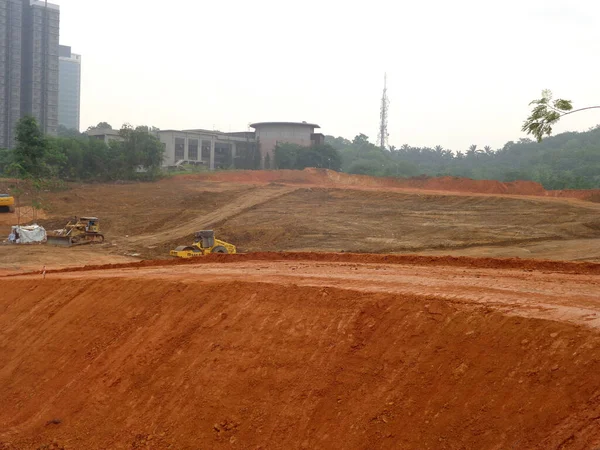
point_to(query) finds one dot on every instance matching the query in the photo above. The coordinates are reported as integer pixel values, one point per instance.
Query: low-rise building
(105, 134)
(269, 134)
(214, 149)
(245, 149)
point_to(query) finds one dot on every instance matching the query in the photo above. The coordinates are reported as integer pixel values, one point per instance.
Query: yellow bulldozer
(204, 244)
(7, 203)
(82, 231)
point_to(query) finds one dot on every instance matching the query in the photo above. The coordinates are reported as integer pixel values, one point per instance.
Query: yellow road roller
(204, 244)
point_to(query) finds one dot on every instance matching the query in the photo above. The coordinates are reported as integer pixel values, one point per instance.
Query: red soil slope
(358, 258)
(170, 359)
(323, 177)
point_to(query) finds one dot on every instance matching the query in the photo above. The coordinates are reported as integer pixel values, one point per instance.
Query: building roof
(102, 132)
(43, 4)
(306, 124)
(239, 136)
(200, 130)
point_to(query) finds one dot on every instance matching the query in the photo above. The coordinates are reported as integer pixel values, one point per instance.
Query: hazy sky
(460, 72)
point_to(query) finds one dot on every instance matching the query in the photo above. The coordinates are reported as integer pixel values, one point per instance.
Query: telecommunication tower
(383, 125)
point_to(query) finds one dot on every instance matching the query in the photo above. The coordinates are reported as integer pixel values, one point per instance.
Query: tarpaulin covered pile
(27, 234)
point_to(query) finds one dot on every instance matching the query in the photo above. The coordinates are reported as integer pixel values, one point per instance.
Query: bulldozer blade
(59, 241)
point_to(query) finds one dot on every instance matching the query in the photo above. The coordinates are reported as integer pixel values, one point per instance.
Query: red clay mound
(122, 364)
(324, 177)
(581, 268)
(453, 184)
(592, 195)
(479, 186)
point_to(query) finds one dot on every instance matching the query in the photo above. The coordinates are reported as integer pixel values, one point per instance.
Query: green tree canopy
(569, 160)
(101, 126)
(294, 156)
(78, 157)
(68, 132)
(29, 155)
(141, 149)
(286, 155)
(546, 113)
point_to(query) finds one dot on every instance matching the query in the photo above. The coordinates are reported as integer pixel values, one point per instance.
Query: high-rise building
(11, 13)
(29, 33)
(69, 88)
(39, 97)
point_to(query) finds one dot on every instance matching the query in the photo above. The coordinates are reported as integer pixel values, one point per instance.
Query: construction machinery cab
(92, 224)
(205, 238)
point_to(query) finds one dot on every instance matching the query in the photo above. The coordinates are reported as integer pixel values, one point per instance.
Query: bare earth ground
(368, 347)
(297, 213)
(277, 351)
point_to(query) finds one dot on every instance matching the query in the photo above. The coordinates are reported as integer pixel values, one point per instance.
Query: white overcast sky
(460, 72)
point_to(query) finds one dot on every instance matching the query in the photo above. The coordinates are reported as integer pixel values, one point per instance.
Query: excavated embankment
(324, 177)
(131, 363)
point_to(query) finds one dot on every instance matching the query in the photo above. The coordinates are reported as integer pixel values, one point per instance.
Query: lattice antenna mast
(383, 125)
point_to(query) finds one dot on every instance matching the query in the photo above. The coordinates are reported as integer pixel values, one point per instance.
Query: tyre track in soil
(563, 297)
(467, 262)
(251, 199)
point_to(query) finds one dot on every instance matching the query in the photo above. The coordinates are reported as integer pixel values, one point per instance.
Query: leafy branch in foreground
(546, 113)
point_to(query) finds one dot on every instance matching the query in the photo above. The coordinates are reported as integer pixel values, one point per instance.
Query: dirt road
(329, 351)
(208, 218)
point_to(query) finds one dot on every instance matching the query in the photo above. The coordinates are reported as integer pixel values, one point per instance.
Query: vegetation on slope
(566, 161)
(74, 156)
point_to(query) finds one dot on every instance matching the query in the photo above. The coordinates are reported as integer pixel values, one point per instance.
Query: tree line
(297, 157)
(566, 161)
(137, 155)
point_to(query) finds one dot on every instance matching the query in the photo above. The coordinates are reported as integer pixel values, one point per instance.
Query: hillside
(566, 161)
